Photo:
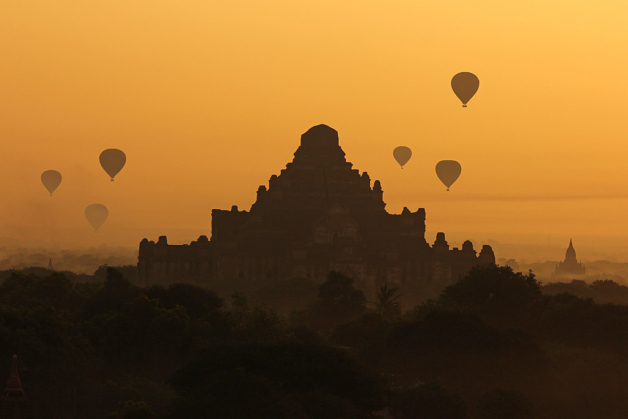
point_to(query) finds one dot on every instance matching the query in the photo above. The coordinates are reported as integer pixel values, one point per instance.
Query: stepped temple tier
(319, 215)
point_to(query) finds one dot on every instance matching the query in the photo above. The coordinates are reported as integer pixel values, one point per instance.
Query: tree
(500, 404)
(142, 336)
(338, 302)
(137, 410)
(128, 271)
(582, 322)
(387, 304)
(338, 295)
(500, 297)
(451, 333)
(53, 290)
(427, 401)
(196, 301)
(50, 356)
(115, 294)
(287, 380)
(365, 334)
(244, 324)
(608, 291)
(576, 287)
(287, 296)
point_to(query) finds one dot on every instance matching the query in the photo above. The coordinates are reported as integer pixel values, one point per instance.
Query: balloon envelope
(112, 160)
(465, 85)
(96, 214)
(51, 180)
(448, 171)
(402, 155)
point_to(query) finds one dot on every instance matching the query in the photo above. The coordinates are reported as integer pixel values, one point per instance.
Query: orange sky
(208, 99)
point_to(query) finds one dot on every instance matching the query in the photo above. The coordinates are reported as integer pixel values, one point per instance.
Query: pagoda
(319, 214)
(570, 268)
(13, 403)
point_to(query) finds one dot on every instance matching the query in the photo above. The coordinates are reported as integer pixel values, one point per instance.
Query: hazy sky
(208, 99)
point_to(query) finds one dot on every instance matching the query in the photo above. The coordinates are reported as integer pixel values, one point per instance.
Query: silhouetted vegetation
(601, 291)
(427, 401)
(499, 404)
(338, 302)
(269, 380)
(493, 345)
(76, 262)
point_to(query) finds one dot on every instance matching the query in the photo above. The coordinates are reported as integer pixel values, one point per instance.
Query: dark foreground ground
(494, 345)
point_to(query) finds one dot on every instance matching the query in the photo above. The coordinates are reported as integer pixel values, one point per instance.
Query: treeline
(99, 275)
(601, 291)
(491, 346)
(83, 261)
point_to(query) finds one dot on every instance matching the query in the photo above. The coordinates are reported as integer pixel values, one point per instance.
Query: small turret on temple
(570, 268)
(13, 403)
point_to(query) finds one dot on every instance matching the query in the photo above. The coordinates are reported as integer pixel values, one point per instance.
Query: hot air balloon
(112, 160)
(448, 171)
(402, 155)
(51, 180)
(465, 85)
(96, 214)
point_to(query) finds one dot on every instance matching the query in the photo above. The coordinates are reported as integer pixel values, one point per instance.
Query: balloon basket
(112, 179)
(464, 106)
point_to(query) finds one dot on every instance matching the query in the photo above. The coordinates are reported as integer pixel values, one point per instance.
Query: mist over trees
(495, 344)
(75, 261)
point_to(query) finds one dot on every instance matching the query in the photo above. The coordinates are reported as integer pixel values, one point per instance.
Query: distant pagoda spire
(570, 254)
(13, 403)
(50, 268)
(570, 268)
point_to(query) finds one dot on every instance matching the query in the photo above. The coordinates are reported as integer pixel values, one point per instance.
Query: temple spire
(14, 382)
(13, 403)
(570, 268)
(571, 252)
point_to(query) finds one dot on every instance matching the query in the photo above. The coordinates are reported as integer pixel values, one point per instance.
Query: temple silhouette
(319, 215)
(13, 403)
(570, 268)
